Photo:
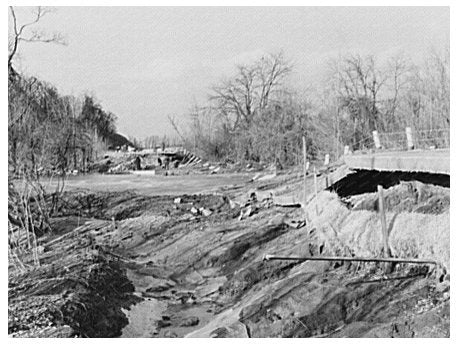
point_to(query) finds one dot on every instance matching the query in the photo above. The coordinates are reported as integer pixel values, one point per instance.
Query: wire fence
(431, 139)
(438, 138)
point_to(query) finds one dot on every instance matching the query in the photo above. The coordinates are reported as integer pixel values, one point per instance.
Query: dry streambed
(156, 267)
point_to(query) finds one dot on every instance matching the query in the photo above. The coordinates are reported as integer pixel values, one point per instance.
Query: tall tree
(25, 33)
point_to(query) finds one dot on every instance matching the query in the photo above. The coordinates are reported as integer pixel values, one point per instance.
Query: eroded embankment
(77, 293)
(188, 274)
(358, 299)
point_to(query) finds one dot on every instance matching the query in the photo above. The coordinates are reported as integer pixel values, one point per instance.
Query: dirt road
(150, 185)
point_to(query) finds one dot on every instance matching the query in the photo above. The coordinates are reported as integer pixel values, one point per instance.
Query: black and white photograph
(231, 171)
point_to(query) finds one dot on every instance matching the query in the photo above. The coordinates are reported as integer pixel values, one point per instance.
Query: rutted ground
(180, 271)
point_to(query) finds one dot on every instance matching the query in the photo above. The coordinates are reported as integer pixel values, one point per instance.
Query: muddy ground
(121, 264)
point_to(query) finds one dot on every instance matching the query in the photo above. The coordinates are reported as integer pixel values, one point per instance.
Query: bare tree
(21, 32)
(359, 86)
(174, 124)
(238, 99)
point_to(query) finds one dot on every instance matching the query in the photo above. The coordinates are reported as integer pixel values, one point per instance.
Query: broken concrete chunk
(245, 212)
(233, 204)
(187, 217)
(206, 212)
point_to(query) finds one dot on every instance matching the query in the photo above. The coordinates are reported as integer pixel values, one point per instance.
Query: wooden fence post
(381, 208)
(304, 151)
(315, 182)
(376, 139)
(326, 164)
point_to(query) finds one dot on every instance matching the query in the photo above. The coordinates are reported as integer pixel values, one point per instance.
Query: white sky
(144, 63)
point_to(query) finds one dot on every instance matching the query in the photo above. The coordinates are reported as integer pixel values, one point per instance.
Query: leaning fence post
(409, 138)
(304, 151)
(315, 182)
(376, 139)
(381, 207)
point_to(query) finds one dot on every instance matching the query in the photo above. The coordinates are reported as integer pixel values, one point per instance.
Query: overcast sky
(144, 63)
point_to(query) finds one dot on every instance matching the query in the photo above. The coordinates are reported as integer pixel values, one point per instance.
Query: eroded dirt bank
(161, 267)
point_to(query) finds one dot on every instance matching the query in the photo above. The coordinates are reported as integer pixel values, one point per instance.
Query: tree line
(256, 116)
(49, 133)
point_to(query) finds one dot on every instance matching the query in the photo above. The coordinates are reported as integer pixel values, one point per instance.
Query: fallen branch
(288, 205)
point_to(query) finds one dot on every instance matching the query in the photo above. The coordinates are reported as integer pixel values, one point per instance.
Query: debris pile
(77, 291)
(253, 205)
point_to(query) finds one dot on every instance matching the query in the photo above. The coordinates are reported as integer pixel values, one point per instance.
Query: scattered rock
(443, 287)
(214, 169)
(170, 334)
(295, 224)
(163, 323)
(191, 321)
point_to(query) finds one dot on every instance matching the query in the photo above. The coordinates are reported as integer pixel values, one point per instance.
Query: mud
(150, 266)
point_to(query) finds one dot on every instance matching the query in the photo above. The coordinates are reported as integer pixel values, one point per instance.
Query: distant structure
(118, 142)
